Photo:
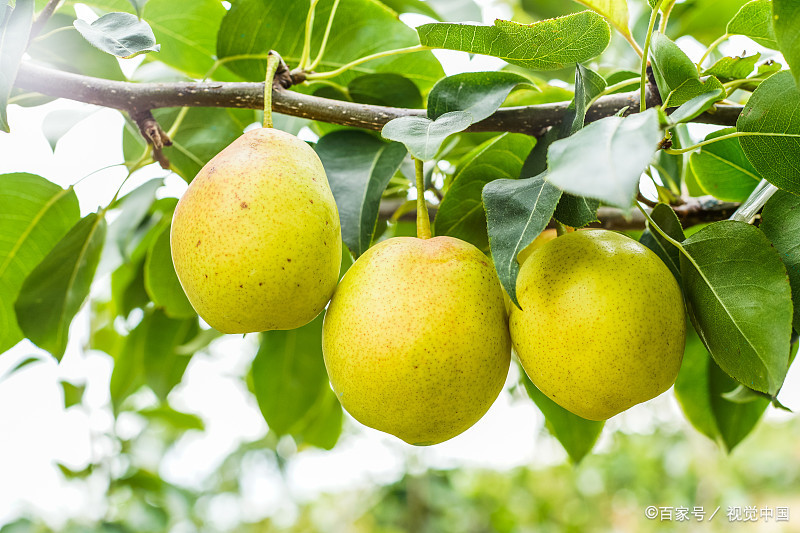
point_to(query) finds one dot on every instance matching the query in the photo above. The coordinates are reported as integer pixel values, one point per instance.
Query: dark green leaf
(781, 224)
(479, 93)
(588, 85)
(671, 66)
(698, 104)
(289, 375)
(667, 220)
(614, 153)
(200, 341)
(786, 20)
(385, 88)
(461, 212)
(14, 31)
(576, 211)
(754, 20)
(701, 388)
(55, 290)
(73, 394)
(722, 170)
(149, 356)
(359, 166)
(34, 215)
(739, 301)
(161, 281)
(323, 423)
(360, 28)
(732, 68)
(119, 34)
(581, 36)
(422, 136)
(577, 435)
(516, 213)
(774, 108)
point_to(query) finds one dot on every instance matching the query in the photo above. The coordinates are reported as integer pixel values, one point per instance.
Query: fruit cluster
(418, 334)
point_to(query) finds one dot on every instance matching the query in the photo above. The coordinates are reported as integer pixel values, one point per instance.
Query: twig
(153, 134)
(43, 17)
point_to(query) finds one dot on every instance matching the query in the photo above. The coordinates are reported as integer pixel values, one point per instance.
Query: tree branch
(138, 97)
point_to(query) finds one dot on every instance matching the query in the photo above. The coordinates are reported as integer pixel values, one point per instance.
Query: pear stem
(423, 221)
(561, 229)
(272, 66)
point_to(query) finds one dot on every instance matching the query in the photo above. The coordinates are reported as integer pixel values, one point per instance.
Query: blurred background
(208, 462)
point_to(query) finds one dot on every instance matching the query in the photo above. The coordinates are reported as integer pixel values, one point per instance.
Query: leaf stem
(710, 49)
(355, 63)
(611, 88)
(317, 60)
(173, 130)
(51, 33)
(423, 221)
(306, 54)
(676, 151)
(662, 25)
(645, 52)
(272, 66)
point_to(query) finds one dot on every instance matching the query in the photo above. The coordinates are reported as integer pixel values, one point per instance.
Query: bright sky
(36, 431)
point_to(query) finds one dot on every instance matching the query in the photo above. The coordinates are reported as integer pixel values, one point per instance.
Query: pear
(256, 241)
(601, 326)
(415, 339)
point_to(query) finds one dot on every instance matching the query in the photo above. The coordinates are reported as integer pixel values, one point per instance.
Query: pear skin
(602, 325)
(416, 340)
(256, 241)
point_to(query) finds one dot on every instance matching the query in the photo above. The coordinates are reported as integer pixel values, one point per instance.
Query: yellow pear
(416, 339)
(602, 324)
(545, 236)
(256, 241)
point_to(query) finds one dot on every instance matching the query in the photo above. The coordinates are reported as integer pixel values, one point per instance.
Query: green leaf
(615, 11)
(461, 212)
(711, 90)
(34, 215)
(693, 107)
(588, 85)
(385, 88)
(732, 68)
(360, 28)
(67, 50)
(422, 136)
(359, 166)
(175, 419)
(55, 290)
(161, 281)
(786, 20)
(119, 34)
(73, 394)
(149, 356)
(289, 375)
(700, 390)
(323, 423)
(14, 32)
(671, 66)
(667, 220)
(581, 36)
(577, 435)
(781, 224)
(58, 122)
(516, 213)
(614, 153)
(722, 170)
(739, 300)
(412, 6)
(774, 107)
(754, 20)
(478, 93)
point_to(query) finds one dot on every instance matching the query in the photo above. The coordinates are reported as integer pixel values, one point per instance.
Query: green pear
(256, 241)
(601, 326)
(415, 339)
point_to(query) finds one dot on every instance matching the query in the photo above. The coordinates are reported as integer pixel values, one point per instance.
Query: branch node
(154, 135)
